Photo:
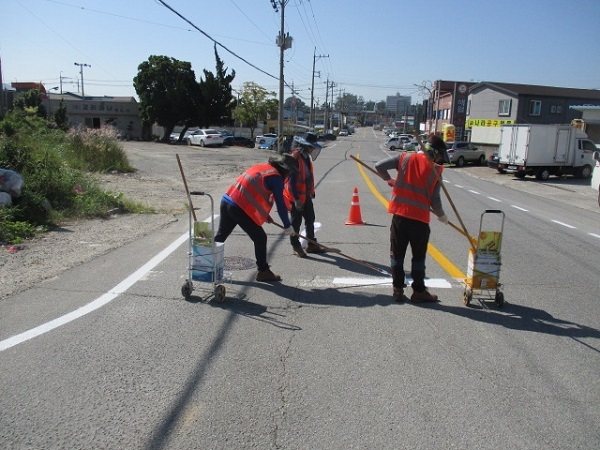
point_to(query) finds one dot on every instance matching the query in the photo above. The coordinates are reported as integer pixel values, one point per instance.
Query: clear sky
(368, 48)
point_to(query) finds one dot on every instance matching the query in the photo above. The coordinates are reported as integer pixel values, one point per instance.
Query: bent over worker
(300, 192)
(415, 191)
(249, 201)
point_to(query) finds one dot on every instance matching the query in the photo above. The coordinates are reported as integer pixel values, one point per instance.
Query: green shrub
(56, 168)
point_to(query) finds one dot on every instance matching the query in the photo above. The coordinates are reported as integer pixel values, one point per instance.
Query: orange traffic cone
(355, 217)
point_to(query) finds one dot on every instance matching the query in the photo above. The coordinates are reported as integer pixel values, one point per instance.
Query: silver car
(461, 153)
(205, 137)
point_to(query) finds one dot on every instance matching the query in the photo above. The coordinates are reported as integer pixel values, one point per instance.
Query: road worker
(248, 203)
(415, 191)
(300, 192)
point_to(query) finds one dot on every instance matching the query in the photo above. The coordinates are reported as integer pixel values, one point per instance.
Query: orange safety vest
(250, 194)
(303, 189)
(411, 195)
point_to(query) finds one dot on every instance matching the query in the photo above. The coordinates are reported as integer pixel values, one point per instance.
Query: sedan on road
(205, 137)
(461, 153)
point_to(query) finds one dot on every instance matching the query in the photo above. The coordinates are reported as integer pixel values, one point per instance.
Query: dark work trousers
(308, 214)
(405, 232)
(232, 215)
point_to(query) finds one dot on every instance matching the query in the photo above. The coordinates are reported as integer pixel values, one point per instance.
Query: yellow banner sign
(487, 122)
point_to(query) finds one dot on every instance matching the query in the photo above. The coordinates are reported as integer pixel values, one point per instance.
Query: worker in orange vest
(415, 191)
(248, 203)
(299, 194)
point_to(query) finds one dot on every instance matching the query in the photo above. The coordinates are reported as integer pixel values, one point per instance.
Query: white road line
(518, 207)
(99, 302)
(429, 282)
(474, 192)
(595, 235)
(458, 186)
(564, 224)
(495, 199)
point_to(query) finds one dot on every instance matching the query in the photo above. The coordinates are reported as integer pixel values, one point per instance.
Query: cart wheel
(499, 299)
(219, 293)
(186, 289)
(467, 296)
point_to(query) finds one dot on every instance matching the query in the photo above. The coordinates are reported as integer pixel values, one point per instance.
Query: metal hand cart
(483, 270)
(205, 256)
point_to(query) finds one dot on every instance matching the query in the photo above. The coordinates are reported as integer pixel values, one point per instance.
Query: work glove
(391, 182)
(289, 231)
(444, 219)
(298, 204)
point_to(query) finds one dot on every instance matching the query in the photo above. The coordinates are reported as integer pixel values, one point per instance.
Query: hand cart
(483, 270)
(205, 256)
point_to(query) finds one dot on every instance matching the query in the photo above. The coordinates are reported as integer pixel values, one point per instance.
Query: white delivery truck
(544, 150)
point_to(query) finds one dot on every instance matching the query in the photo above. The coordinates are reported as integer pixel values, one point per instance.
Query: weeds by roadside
(56, 167)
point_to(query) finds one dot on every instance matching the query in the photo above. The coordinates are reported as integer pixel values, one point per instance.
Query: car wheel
(189, 142)
(392, 148)
(201, 143)
(501, 170)
(481, 160)
(460, 161)
(521, 174)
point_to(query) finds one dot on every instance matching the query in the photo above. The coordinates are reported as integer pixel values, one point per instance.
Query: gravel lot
(158, 183)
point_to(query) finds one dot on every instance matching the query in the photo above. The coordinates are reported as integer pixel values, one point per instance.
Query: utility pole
(284, 42)
(325, 117)
(81, 66)
(332, 85)
(311, 120)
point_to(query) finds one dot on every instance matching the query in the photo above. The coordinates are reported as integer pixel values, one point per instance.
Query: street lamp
(81, 66)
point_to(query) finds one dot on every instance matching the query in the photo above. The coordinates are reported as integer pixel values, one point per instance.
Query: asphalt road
(324, 359)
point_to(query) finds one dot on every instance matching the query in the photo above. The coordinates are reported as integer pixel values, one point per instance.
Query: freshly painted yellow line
(452, 270)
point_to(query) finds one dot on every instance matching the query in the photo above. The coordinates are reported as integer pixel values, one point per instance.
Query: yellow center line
(444, 262)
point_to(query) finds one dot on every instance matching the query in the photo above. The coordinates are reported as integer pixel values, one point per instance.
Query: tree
(30, 101)
(217, 100)
(255, 105)
(60, 117)
(168, 91)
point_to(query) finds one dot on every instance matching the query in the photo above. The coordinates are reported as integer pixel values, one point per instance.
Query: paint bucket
(205, 258)
(483, 270)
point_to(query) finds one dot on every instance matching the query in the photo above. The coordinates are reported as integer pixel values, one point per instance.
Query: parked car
(238, 141)
(397, 143)
(260, 139)
(464, 152)
(268, 143)
(326, 137)
(205, 137)
(493, 162)
(343, 133)
(174, 137)
(225, 133)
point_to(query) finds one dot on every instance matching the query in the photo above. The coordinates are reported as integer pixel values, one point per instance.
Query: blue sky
(369, 48)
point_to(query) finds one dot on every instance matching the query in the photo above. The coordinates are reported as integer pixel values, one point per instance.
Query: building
(490, 105)
(94, 112)
(447, 105)
(88, 111)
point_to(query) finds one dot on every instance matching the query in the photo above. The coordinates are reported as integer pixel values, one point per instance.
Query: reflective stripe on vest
(411, 195)
(250, 194)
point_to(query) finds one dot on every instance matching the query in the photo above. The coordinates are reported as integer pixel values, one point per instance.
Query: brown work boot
(423, 297)
(267, 275)
(299, 251)
(399, 296)
(315, 248)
